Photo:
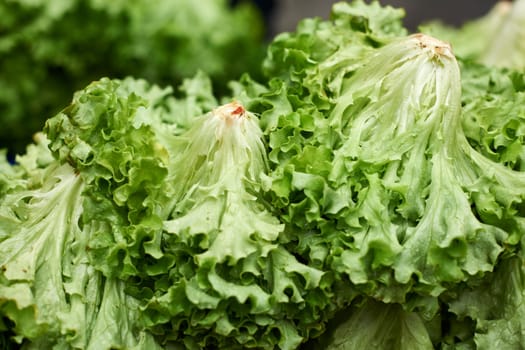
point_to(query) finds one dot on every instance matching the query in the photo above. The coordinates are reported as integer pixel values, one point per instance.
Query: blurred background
(283, 15)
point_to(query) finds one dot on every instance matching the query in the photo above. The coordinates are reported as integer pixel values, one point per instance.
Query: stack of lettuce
(368, 193)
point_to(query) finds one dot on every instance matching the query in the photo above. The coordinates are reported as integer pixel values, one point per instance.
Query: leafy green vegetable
(107, 134)
(29, 249)
(496, 305)
(116, 322)
(230, 280)
(413, 213)
(227, 276)
(368, 193)
(317, 56)
(496, 39)
(391, 178)
(493, 113)
(51, 292)
(374, 325)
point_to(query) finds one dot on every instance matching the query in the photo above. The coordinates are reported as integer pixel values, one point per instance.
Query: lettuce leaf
(113, 134)
(493, 113)
(231, 284)
(54, 291)
(50, 295)
(495, 39)
(318, 54)
(409, 215)
(33, 255)
(374, 325)
(174, 214)
(471, 39)
(496, 305)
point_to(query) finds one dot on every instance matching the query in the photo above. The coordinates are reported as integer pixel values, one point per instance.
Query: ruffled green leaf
(374, 325)
(319, 54)
(32, 260)
(394, 196)
(496, 305)
(231, 280)
(495, 39)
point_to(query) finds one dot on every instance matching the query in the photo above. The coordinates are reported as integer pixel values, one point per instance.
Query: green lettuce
(493, 113)
(495, 39)
(316, 57)
(496, 306)
(53, 295)
(174, 211)
(229, 277)
(381, 184)
(374, 325)
(367, 193)
(50, 295)
(399, 171)
(107, 135)
(32, 261)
